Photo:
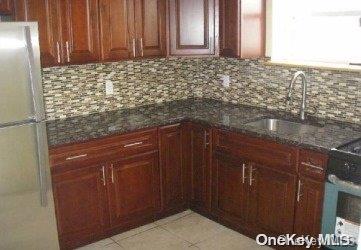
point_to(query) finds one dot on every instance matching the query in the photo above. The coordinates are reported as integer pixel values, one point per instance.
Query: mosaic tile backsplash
(80, 89)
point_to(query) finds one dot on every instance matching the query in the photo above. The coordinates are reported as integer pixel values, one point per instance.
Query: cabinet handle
(244, 173)
(133, 47)
(58, 51)
(103, 176)
(251, 175)
(67, 51)
(112, 172)
(299, 190)
(206, 142)
(76, 157)
(307, 164)
(141, 46)
(133, 144)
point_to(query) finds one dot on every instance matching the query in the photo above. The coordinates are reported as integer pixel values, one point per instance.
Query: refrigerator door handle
(35, 78)
(43, 162)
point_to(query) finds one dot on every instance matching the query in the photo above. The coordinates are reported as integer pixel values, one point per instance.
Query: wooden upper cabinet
(117, 29)
(134, 189)
(150, 26)
(242, 28)
(80, 20)
(193, 27)
(46, 13)
(6, 7)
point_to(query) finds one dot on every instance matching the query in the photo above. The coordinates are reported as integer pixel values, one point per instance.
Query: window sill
(315, 65)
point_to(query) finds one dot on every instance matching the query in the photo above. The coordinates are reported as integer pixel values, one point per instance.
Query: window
(314, 31)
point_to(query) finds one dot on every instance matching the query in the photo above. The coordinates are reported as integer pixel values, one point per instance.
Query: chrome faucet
(304, 92)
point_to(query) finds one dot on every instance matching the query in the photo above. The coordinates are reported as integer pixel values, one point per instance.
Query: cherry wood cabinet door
(46, 13)
(134, 189)
(80, 21)
(201, 168)
(242, 28)
(173, 170)
(272, 200)
(150, 22)
(6, 7)
(117, 29)
(80, 203)
(230, 189)
(309, 207)
(193, 27)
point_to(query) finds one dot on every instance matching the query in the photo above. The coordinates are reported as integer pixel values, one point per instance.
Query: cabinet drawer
(261, 151)
(313, 164)
(120, 146)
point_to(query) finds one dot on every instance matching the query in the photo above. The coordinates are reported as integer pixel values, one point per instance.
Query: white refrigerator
(27, 217)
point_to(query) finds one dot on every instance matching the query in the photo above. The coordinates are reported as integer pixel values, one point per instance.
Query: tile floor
(186, 230)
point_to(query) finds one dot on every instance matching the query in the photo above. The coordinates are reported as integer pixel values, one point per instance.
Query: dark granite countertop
(233, 117)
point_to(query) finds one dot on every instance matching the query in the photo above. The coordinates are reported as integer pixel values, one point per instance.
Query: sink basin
(283, 126)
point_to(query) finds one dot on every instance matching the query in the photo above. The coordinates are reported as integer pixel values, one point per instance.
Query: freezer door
(27, 215)
(21, 97)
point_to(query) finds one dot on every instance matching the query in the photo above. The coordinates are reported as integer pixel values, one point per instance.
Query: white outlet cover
(226, 81)
(109, 87)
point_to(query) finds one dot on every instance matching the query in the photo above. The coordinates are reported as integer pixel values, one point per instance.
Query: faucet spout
(304, 92)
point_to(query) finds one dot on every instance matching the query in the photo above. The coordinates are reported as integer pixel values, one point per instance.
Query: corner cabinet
(201, 158)
(193, 27)
(242, 28)
(174, 170)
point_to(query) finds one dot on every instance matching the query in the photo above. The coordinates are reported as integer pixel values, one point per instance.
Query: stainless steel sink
(283, 126)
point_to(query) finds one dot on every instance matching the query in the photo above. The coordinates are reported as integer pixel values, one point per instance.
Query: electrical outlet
(109, 87)
(226, 80)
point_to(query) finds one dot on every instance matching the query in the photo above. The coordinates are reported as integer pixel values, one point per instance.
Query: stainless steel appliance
(342, 203)
(27, 217)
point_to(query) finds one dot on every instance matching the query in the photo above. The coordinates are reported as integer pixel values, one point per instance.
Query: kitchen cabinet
(132, 28)
(310, 190)
(117, 29)
(79, 197)
(6, 7)
(150, 27)
(173, 169)
(105, 186)
(47, 14)
(272, 200)
(309, 207)
(133, 188)
(201, 156)
(230, 193)
(68, 30)
(193, 27)
(80, 31)
(242, 28)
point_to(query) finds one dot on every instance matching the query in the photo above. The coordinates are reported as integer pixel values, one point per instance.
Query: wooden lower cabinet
(201, 157)
(80, 198)
(133, 189)
(309, 207)
(110, 185)
(174, 172)
(230, 190)
(272, 200)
